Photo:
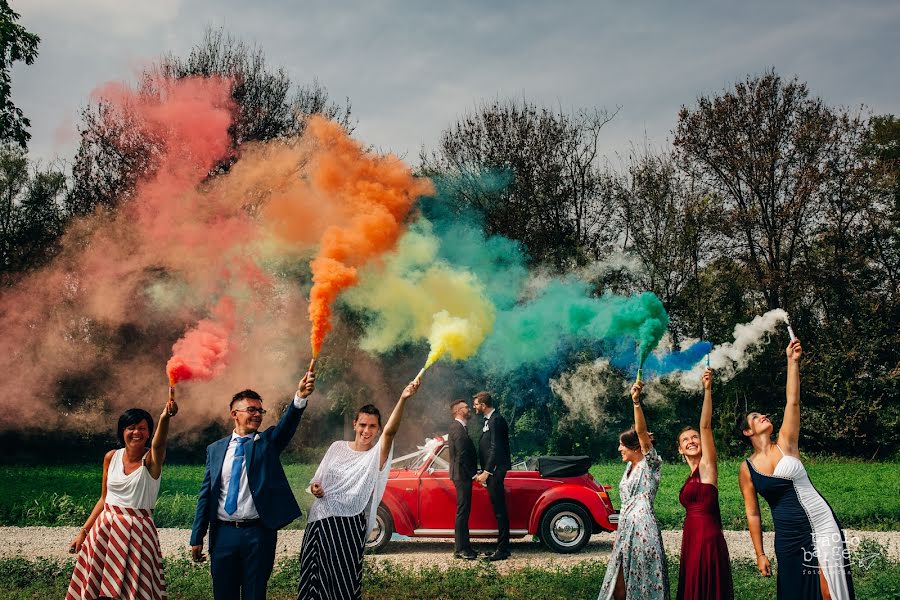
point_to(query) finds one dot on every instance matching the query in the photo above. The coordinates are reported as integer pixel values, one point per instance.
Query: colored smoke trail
(536, 327)
(730, 358)
(379, 191)
(416, 296)
(202, 352)
(564, 316)
(662, 362)
(455, 336)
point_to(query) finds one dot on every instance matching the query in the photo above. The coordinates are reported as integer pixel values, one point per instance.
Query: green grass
(65, 495)
(864, 495)
(23, 579)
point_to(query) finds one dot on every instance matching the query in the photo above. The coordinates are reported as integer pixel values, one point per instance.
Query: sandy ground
(32, 542)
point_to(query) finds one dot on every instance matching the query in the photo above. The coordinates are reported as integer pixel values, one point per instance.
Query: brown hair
(629, 439)
(484, 398)
(683, 429)
(740, 425)
(453, 404)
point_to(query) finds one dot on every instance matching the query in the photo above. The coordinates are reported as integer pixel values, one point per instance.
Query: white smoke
(617, 261)
(583, 390)
(730, 358)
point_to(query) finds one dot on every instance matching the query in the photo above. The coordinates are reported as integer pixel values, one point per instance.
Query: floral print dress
(638, 548)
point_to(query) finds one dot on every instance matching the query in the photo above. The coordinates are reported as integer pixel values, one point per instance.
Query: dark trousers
(498, 500)
(463, 509)
(241, 562)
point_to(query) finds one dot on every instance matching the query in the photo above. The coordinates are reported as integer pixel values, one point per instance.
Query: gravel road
(33, 542)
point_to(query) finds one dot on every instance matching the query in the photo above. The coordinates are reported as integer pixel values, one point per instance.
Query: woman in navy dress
(813, 559)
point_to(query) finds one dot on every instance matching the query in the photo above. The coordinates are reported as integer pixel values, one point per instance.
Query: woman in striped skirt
(118, 547)
(348, 486)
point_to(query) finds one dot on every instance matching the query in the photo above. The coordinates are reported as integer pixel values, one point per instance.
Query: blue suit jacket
(269, 486)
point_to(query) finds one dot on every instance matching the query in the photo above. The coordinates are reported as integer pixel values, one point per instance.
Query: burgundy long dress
(705, 566)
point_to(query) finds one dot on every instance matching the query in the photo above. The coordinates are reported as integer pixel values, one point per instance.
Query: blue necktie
(234, 485)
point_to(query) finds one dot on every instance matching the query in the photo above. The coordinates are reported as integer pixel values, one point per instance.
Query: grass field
(864, 495)
(32, 580)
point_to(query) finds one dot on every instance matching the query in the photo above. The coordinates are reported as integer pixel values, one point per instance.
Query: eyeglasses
(251, 410)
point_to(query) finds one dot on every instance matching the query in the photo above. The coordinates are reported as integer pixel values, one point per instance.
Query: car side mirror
(431, 470)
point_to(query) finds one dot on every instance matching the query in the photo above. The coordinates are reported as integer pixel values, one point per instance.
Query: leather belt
(241, 524)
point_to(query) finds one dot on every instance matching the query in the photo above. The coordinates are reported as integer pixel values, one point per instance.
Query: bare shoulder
(109, 455)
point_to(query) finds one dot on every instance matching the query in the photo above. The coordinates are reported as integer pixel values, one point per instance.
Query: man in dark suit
(493, 450)
(463, 467)
(245, 497)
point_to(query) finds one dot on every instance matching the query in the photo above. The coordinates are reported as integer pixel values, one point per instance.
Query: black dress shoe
(498, 556)
(465, 554)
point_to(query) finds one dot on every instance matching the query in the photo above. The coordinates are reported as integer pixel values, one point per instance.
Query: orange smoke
(377, 192)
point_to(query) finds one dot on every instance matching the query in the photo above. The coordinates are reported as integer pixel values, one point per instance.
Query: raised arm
(393, 424)
(287, 425)
(640, 424)
(75, 546)
(789, 433)
(754, 522)
(709, 469)
(160, 436)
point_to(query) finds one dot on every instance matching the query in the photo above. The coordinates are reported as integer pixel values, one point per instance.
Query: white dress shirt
(245, 507)
(461, 422)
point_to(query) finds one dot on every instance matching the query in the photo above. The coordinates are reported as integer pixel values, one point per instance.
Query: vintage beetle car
(554, 498)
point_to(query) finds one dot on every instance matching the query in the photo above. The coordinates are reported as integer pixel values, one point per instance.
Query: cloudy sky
(411, 68)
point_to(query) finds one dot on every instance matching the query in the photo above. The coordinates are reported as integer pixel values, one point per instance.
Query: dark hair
(629, 439)
(244, 395)
(453, 403)
(130, 417)
(740, 424)
(369, 409)
(484, 398)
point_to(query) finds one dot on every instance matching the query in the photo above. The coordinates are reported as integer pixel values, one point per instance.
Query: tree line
(766, 197)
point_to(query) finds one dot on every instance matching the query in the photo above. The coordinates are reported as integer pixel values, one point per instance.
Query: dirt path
(33, 542)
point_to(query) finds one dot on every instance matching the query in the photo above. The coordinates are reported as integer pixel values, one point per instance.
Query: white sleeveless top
(352, 482)
(136, 490)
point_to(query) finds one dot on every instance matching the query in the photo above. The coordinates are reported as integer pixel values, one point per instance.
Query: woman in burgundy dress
(705, 566)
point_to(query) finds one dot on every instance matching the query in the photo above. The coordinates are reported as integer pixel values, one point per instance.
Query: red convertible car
(554, 498)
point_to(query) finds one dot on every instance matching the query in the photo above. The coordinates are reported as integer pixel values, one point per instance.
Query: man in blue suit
(245, 497)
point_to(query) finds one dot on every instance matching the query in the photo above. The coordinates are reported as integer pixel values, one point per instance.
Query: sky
(412, 68)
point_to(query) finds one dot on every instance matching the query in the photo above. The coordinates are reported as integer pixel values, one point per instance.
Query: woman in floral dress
(637, 566)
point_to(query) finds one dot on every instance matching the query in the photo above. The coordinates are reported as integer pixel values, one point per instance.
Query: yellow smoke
(416, 296)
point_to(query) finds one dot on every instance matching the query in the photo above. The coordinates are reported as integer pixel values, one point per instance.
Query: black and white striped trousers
(331, 559)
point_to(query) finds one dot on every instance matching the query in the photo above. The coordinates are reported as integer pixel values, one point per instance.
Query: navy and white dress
(808, 536)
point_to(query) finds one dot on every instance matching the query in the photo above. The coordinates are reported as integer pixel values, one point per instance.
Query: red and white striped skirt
(120, 558)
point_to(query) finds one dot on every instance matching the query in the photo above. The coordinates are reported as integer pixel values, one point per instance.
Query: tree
(115, 150)
(16, 44)
(761, 147)
(31, 213)
(669, 224)
(543, 164)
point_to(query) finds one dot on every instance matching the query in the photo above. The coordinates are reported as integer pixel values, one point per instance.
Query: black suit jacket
(463, 461)
(493, 447)
(269, 486)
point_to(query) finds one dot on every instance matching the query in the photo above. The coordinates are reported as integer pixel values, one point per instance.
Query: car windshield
(416, 460)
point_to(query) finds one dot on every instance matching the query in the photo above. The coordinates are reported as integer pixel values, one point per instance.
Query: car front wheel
(566, 527)
(382, 531)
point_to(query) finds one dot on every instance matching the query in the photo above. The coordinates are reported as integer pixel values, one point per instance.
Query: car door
(437, 500)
